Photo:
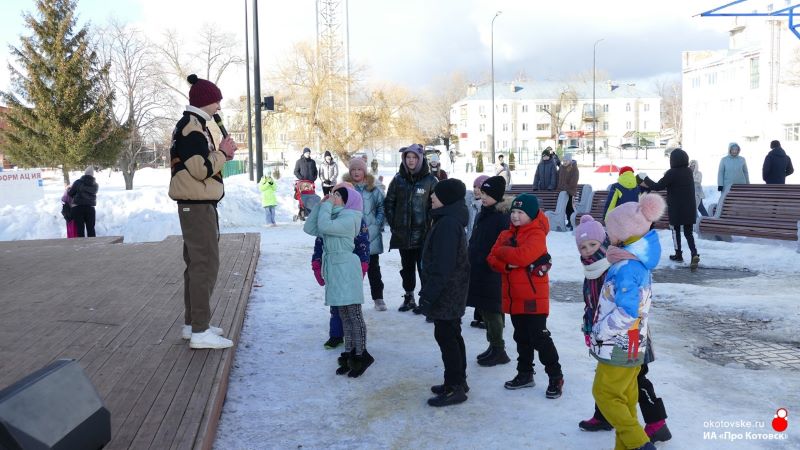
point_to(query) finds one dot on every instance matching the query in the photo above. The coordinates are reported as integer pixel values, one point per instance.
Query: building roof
(550, 90)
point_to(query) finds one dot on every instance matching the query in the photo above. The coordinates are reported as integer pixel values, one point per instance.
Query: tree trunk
(65, 173)
(128, 175)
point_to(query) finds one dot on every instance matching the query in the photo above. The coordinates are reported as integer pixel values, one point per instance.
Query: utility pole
(257, 89)
(249, 104)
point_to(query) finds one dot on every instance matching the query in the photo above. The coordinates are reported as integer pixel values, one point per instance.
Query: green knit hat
(528, 203)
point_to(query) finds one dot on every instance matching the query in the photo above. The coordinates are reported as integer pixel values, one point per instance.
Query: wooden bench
(553, 203)
(769, 211)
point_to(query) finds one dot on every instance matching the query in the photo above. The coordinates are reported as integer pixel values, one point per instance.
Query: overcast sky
(413, 42)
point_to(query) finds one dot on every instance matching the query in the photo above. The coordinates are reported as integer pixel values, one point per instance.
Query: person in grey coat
(732, 169)
(546, 178)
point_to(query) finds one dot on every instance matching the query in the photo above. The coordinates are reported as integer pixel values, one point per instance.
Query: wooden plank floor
(118, 309)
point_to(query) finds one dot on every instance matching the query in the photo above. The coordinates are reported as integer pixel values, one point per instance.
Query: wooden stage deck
(118, 309)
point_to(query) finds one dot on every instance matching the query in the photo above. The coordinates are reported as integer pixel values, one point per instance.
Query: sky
(414, 42)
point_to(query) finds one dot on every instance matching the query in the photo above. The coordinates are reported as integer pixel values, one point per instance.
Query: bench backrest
(769, 203)
(547, 199)
(598, 207)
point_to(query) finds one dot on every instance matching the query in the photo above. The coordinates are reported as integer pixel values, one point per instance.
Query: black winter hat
(327, 153)
(546, 153)
(450, 190)
(775, 144)
(494, 187)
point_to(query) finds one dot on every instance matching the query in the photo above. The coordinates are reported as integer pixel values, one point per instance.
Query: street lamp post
(594, 107)
(493, 136)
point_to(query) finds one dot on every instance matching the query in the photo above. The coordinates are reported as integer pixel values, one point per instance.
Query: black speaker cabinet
(56, 407)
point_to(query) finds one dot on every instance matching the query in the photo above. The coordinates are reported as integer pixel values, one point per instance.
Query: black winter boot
(677, 257)
(333, 343)
(496, 356)
(452, 395)
(485, 354)
(344, 362)
(359, 364)
(522, 380)
(440, 388)
(555, 387)
(408, 303)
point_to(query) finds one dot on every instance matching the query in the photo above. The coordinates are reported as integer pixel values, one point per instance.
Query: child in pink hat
(592, 242)
(619, 335)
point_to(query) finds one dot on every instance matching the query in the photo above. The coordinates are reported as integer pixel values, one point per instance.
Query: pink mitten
(364, 268)
(588, 340)
(316, 266)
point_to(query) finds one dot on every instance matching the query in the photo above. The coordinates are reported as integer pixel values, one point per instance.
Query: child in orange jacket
(520, 255)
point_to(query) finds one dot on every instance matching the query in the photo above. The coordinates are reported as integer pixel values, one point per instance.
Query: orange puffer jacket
(523, 292)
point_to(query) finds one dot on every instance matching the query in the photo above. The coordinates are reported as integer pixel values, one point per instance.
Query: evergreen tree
(512, 161)
(479, 163)
(58, 113)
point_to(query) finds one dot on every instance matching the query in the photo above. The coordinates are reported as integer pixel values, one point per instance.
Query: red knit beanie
(625, 169)
(202, 92)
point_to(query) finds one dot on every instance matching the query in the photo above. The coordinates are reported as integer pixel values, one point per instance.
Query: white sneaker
(207, 339)
(186, 332)
(380, 305)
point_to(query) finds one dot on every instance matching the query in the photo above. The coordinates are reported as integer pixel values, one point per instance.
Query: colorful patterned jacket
(619, 334)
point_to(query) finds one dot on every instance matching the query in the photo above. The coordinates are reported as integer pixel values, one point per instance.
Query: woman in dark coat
(681, 206)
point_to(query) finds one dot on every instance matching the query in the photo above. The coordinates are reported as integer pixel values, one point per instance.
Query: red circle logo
(779, 423)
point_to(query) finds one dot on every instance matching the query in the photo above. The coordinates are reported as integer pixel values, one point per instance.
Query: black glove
(719, 188)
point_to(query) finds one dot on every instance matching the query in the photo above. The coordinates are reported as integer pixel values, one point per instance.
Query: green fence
(234, 168)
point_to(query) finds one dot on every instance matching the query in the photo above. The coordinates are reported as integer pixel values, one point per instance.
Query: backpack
(66, 211)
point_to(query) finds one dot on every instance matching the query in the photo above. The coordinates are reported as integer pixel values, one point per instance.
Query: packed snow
(283, 392)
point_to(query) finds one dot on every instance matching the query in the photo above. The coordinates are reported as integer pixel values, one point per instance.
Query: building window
(627, 107)
(572, 127)
(482, 109)
(524, 108)
(505, 127)
(542, 126)
(646, 108)
(605, 126)
(644, 124)
(696, 82)
(505, 108)
(482, 127)
(524, 127)
(605, 107)
(505, 144)
(792, 132)
(628, 125)
(754, 73)
(483, 145)
(542, 107)
(524, 145)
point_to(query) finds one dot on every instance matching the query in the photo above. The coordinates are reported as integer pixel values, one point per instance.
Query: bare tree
(671, 92)
(435, 109)
(560, 109)
(211, 55)
(135, 80)
(305, 84)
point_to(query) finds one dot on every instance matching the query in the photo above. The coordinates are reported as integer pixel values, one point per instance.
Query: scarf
(594, 269)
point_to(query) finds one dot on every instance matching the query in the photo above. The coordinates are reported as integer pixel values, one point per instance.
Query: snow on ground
(283, 392)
